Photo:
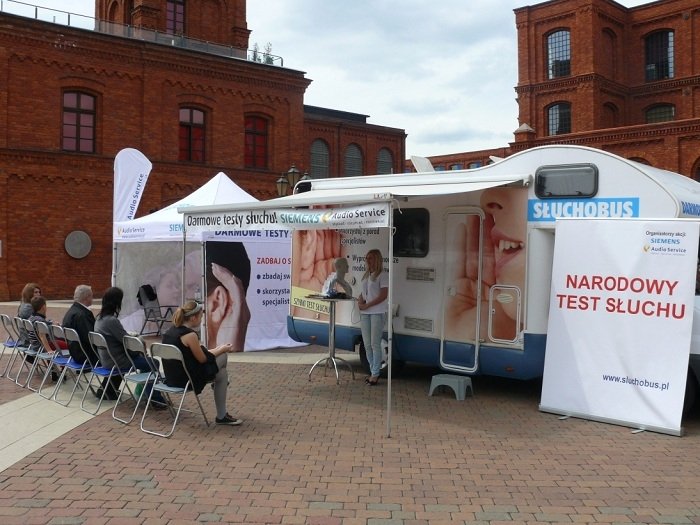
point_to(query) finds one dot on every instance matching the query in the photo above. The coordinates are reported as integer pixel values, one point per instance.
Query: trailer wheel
(396, 366)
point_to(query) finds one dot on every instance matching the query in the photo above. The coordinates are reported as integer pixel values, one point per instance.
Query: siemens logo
(550, 210)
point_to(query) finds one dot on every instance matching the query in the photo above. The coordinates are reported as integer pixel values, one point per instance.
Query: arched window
(660, 113)
(353, 161)
(320, 160)
(559, 118)
(611, 115)
(658, 47)
(192, 135)
(175, 17)
(559, 54)
(696, 171)
(79, 122)
(385, 161)
(609, 55)
(113, 11)
(256, 139)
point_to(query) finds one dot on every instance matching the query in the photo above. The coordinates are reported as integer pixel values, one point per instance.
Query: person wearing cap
(203, 365)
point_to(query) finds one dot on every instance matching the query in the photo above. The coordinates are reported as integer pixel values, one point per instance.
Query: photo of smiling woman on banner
(503, 267)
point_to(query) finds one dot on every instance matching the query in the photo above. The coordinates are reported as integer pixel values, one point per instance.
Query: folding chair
(52, 358)
(152, 310)
(11, 342)
(101, 372)
(78, 371)
(29, 354)
(165, 352)
(17, 328)
(134, 344)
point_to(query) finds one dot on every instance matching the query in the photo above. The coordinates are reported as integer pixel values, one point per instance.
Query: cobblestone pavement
(314, 452)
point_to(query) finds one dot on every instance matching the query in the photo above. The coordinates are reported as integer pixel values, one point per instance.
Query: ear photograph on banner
(247, 287)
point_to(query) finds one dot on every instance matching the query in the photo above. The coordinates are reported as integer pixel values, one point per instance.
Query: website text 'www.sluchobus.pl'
(633, 381)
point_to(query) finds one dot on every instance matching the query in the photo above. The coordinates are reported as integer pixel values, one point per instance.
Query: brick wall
(139, 88)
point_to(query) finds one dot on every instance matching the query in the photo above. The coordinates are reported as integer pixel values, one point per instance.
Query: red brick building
(596, 73)
(147, 76)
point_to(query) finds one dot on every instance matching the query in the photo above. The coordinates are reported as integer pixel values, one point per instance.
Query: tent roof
(166, 224)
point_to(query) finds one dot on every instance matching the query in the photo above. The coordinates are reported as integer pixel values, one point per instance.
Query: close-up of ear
(218, 304)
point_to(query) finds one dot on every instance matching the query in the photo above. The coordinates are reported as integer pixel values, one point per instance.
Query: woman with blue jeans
(373, 307)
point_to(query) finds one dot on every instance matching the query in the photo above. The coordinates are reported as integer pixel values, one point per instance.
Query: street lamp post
(289, 180)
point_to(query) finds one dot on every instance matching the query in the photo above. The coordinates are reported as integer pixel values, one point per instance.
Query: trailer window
(411, 232)
(572, 180)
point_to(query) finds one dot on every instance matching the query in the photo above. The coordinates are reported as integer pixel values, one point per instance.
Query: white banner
(131, 170)
(260, 261)
(620, 320)
(363, 216)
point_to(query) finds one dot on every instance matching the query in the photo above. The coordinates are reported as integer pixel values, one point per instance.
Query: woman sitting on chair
(203, 365)
(110, 327)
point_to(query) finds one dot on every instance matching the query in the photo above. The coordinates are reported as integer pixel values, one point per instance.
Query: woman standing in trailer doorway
(373, 308)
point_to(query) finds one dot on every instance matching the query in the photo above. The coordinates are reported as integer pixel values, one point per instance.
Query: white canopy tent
(150, 250)
(362, 202)
(166, 224)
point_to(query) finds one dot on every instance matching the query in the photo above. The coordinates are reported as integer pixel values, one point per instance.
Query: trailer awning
(351, 192)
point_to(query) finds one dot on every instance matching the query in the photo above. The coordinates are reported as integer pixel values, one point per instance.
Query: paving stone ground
(314, 452)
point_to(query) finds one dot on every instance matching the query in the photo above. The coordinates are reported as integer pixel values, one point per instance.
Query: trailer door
(464, 304)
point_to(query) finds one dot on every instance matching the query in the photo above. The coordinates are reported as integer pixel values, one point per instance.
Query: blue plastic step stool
(459, 384)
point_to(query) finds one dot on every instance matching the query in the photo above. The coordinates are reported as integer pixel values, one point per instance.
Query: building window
(475, 164)
(610, 115)
(658, 48)
(609, 56)
(175, 17)
(320, 160)
(353, 161)
(558, 54)
(256, 142)
(660, 113)
(385, 161)
(559, 118)
(192, 135)
(696, 171)
(78, 133)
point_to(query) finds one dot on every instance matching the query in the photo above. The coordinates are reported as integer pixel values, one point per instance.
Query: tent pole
(390, 320)
(202, 289)
(184, 254)
(114, 262)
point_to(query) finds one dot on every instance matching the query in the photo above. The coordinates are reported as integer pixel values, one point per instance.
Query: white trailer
(469, 251)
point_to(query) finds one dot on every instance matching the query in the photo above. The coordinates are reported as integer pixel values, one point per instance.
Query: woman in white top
(373, 307)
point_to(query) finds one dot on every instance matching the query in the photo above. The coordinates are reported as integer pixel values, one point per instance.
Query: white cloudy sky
(443, 70)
